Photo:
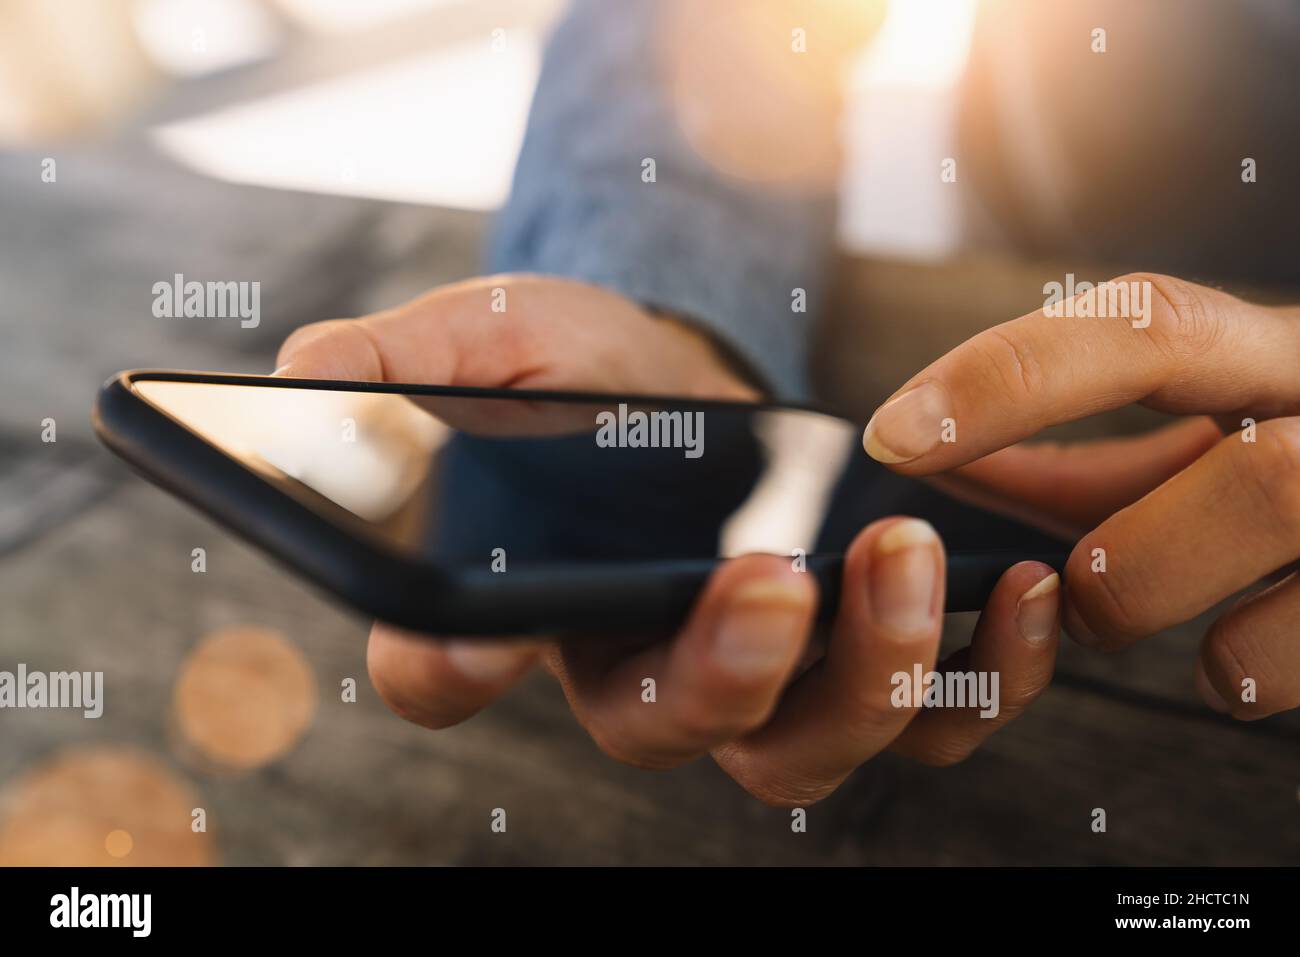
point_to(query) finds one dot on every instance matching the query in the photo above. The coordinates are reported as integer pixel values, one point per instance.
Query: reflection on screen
(458, 478)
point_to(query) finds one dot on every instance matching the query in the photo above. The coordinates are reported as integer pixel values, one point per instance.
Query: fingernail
(1077, 630)
(283, 370)
(486, 663)
(907, 427)
(902, 578)
(1206, 690)
(762, 628)
(1036, 611)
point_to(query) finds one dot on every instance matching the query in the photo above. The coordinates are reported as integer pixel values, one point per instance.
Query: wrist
(716, 372)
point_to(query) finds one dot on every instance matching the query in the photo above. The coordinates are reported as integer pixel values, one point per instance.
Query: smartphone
(499, 512)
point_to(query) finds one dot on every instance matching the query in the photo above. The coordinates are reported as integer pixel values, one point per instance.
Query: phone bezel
(612, 599)
(641, 596)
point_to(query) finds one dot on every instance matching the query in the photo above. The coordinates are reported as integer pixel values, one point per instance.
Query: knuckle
(875, 716)
(1012, 362)
(1013, 705)
(1271, 466)
(1107, 601)
(1234, 654)
(1183, 320)
(1017, 696)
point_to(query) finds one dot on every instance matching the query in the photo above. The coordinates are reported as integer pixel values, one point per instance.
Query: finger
(1249, 664)
(1072, 487)
(438, 684)
(721, 677)
(452, 336)
(1187, 349)
(1007, 665)
(842, 711)
(1228, 519)
(334, 349)
(360, 350)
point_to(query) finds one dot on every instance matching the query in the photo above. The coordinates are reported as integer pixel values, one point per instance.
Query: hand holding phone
(787, 710)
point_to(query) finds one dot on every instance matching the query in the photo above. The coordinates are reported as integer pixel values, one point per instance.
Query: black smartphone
(507, 512)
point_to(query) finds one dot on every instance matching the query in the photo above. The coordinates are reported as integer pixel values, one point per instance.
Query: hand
(1187, 515)
(786, 717)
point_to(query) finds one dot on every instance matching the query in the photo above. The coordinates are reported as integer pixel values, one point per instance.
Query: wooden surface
(95, 575)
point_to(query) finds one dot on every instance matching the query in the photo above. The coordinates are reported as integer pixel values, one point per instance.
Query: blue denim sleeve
(723, 255)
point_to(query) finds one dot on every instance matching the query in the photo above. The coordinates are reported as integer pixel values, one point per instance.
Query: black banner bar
(207, 906)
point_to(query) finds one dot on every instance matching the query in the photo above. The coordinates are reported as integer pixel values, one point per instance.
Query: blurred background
(348, 155)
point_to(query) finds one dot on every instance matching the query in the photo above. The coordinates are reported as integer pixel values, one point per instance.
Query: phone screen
(470, 479)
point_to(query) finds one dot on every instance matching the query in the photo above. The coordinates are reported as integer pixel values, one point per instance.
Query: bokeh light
(244, 697)
(101, 806)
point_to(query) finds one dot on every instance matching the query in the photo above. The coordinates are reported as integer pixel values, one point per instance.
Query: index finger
(1141, 338)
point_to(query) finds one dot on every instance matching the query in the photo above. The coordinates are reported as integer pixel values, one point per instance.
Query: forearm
(745, 261)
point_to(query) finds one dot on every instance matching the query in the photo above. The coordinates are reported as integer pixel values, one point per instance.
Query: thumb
(449, 336)
(1072, 487)
(335, 349)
